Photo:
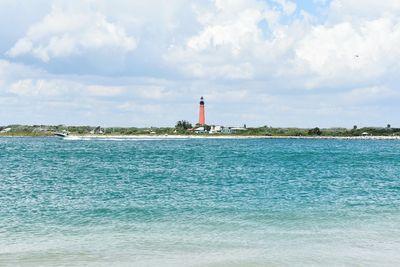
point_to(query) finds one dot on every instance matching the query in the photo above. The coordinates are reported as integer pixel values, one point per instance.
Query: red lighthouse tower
(202, 116)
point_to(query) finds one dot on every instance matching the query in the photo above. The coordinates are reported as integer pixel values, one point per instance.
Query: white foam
(185, 137)
(146, 137)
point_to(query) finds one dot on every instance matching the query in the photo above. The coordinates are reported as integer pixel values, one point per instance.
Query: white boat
(61, 134)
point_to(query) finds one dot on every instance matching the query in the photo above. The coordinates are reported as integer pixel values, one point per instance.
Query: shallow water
(245, 202)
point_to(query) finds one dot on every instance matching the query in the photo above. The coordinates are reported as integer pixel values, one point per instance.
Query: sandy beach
(158, 137)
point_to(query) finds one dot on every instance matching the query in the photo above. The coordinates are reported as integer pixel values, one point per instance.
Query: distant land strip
(264, 131)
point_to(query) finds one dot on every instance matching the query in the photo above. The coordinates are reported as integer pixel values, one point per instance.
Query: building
(200, 130)
(231, 130)
(202, 127)
(238, 129)
(216, 129)
(202, 116)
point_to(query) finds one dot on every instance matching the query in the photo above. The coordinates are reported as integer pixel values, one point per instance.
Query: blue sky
(146, 63)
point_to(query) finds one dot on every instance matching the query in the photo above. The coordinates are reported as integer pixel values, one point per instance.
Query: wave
(121, 138)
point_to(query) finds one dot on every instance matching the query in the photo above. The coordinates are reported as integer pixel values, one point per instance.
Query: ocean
(199, 202)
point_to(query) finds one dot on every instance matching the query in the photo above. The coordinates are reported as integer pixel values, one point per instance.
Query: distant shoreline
(76, 136)
(205, 136)
(181, 132)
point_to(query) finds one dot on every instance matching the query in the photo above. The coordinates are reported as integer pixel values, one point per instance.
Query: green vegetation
(185, 127)
(315, 131)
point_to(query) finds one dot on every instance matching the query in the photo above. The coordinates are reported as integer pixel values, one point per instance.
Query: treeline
(184, 127)
(49, 130)
(365, 131)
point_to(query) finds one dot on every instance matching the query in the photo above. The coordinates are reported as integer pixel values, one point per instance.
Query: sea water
(199, 202)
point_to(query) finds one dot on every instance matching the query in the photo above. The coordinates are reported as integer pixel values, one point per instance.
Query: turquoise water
(205, 202)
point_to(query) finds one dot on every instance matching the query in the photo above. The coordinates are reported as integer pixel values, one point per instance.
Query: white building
(230, 130)
(216, 129)
(200, 130)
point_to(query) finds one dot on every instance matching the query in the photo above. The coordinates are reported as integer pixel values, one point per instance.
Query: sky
(280, 63)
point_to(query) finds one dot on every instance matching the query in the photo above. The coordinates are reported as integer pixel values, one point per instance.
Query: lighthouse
(202, 116)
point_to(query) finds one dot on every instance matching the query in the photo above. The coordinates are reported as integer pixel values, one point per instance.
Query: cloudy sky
(302, 63)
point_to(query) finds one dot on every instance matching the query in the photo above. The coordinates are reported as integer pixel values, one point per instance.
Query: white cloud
(62, 88)
(224, 48)
(235, 72)
(233, 34)
(151, 92)
(348, 53)
(232, 45)
(352, 10)
(369, 95)
(260, 55)
(131, 106)
(102, 90)
(288, 7)
(71, 31)
(38, 88)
